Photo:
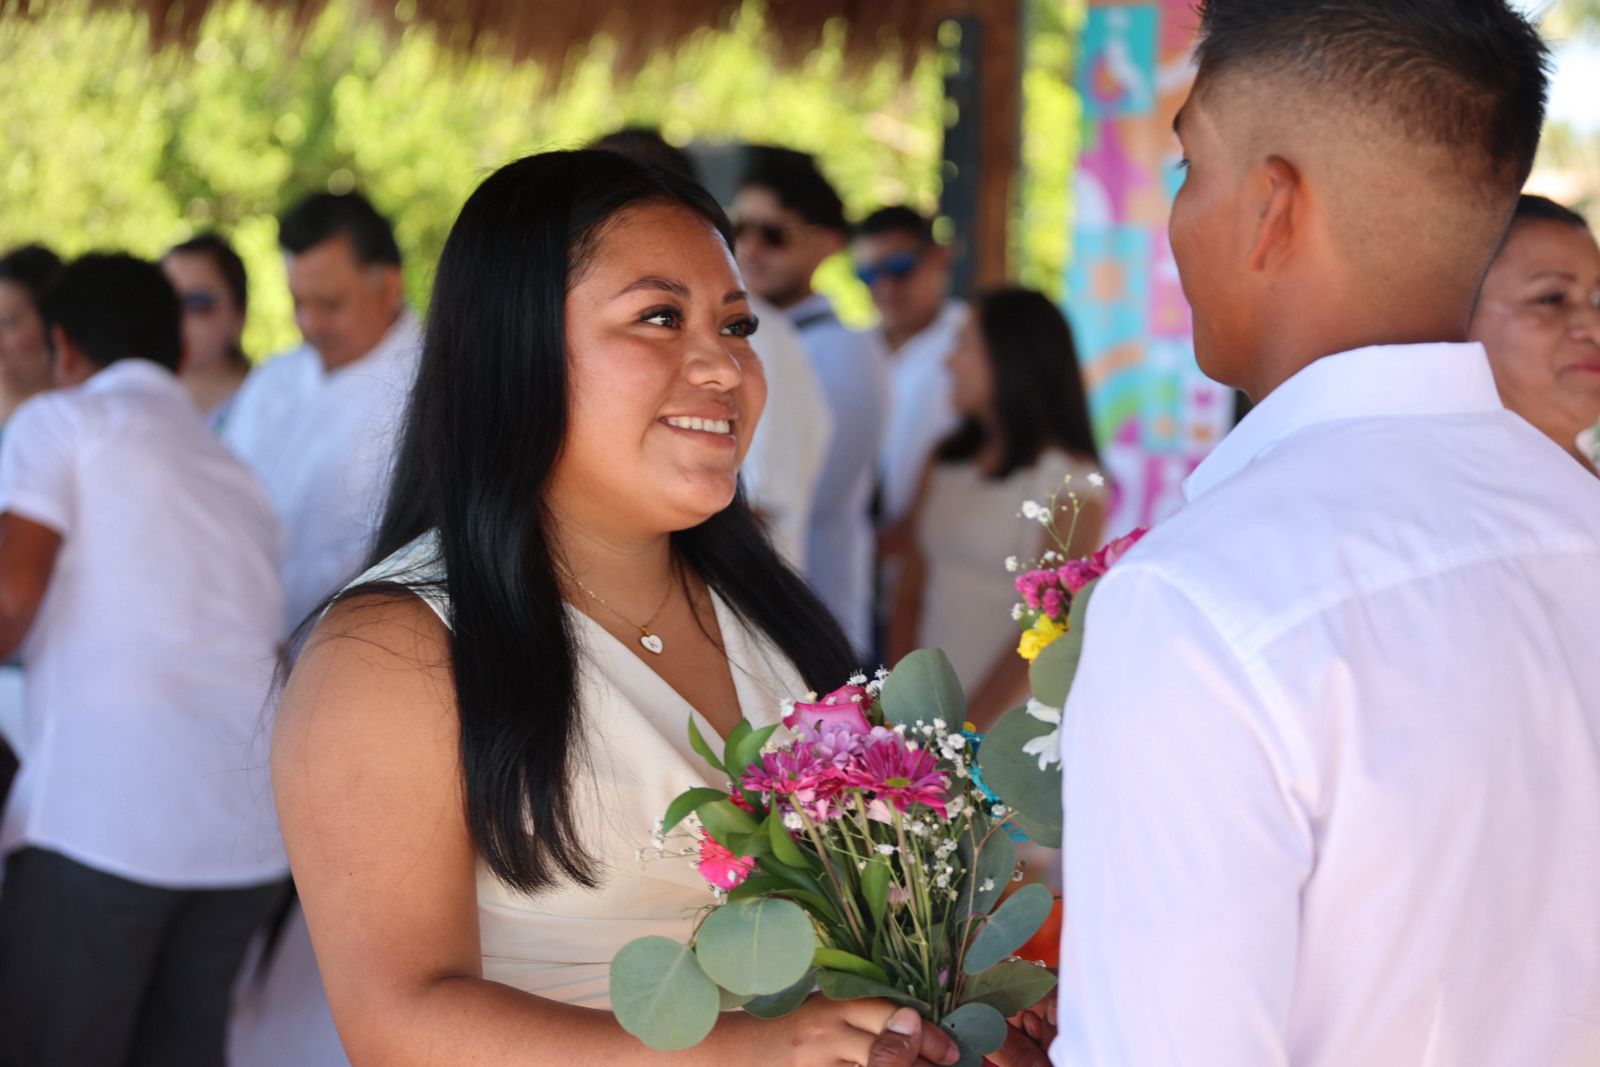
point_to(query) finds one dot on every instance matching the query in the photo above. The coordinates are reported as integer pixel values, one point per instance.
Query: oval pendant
(652, 643)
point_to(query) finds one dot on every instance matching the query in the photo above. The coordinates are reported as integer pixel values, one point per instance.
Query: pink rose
(719, 866)
(1080, 572)
(845, 707)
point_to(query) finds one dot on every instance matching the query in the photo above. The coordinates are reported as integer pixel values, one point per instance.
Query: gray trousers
(98, 971)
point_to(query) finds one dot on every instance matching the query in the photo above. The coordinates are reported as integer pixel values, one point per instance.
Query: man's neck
(330, 365)
(1298, 343)
(897, 338)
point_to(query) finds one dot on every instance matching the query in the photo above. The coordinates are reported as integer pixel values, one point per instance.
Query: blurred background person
(1024, 429)
(908, 274)
(214, 290)
(1539, 318)
(787, 221)
(24, 350)
(139, 575)
(317, 424)
(784, 465)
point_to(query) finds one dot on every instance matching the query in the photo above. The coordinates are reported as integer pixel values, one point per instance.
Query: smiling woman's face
(1539, 319)
(664, 390)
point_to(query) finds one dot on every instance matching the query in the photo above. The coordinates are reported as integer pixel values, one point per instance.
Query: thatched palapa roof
(546, 31)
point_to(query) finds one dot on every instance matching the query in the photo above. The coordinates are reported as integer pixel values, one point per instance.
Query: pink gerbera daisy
(900, 775)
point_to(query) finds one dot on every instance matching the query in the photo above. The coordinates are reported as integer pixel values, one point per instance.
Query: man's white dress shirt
(149, 664)
(922, 411)
(322, 442)
(1332, 762)
(841, 548)
(784, 464)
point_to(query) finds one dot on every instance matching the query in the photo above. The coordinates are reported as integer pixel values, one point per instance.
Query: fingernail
(905, 1022)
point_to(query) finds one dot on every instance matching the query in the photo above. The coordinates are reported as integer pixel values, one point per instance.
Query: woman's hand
(868, 1033)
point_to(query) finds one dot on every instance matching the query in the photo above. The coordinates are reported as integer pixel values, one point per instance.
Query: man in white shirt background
(139, 575)
(1331, 764)
(318, 424)
(788, 220)
(908, 274)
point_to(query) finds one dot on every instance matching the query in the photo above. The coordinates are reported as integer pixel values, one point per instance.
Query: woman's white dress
(968, 526)
(636, 758)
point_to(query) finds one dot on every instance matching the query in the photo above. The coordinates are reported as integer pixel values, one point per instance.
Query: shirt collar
(1375, 382)
(132, 372)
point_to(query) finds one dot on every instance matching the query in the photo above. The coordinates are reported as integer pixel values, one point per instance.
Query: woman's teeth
(703, 425)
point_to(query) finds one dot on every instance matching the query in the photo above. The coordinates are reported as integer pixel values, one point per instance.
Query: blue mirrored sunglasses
(898, 266)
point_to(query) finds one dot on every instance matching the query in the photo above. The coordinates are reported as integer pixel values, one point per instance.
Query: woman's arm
(366, 769)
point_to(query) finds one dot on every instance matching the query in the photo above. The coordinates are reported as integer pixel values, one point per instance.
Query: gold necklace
(652, 642)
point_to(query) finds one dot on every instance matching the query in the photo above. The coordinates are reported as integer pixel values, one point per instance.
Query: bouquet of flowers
(857, 852)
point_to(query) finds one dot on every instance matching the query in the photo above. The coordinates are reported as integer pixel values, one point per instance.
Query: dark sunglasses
(200, 302)
(768, 233)
(897, 266)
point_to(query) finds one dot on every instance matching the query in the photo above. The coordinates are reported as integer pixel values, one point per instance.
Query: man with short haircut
(319, 424)
(788, 220)
(139, 575)
(908, 274)
(1331, 763)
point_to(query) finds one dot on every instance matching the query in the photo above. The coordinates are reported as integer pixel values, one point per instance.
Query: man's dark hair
(33, 267)
(324, 216)
(794, 179)
(1460, 74)
(897, 219)
(216, 248)
(1541, 209)
(114, 306)
(645, 144)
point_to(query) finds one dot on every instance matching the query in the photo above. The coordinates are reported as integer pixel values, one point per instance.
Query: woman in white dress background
(1024, 428)
(480, 732)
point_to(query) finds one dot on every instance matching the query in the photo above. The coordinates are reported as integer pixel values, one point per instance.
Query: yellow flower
(1039, 637)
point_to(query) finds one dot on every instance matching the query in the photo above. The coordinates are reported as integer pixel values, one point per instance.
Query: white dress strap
(419, 566)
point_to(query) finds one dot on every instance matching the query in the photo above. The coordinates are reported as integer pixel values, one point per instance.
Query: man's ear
(392, 283)
(1279, 199)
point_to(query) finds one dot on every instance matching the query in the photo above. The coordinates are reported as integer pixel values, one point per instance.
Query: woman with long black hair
(480, 732)
(1024, 430)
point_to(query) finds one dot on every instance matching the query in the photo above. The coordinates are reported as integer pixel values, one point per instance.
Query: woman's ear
(1278, 195)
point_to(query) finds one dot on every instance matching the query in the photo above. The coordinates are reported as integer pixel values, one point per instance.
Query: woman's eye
(1551, 299)
(668, 317)
(744, 327)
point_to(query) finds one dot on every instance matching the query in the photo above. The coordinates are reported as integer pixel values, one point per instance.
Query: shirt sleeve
(37, 476)
(1184, 851)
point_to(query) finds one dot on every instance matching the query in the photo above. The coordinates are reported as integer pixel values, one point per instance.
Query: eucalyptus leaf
(724, 821)
(734, 1001)
(698, 743)
(977, 1027)
(875, 887)
(1015, 777)
(660, 994)
(835, 959)
(1009, 986)
(759, 946)
(687, 801)
(1009, 928)
(777, 1005)
(840, 985)
(747, 750)
(995, 862)
(783, 845)
(924, 687)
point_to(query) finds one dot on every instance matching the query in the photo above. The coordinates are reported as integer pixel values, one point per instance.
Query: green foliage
(1009, 987)
(977, 1027)
(661, 996)
(1009, 927)
(1034, 796)
(924, 687)
(758, 947)
(111, 146)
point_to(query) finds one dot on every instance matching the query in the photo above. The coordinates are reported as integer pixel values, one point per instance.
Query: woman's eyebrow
(656, 282)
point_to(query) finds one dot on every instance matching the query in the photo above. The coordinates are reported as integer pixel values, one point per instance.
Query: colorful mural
(1156, 415)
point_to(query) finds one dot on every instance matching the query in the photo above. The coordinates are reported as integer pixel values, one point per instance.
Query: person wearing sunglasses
(788, 221)
(908, 274)
(1539, 319)
(214, 290)
(24, 350)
